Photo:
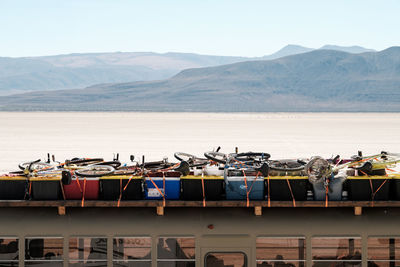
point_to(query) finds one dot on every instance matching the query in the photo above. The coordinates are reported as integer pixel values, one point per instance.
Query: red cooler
(79, 187)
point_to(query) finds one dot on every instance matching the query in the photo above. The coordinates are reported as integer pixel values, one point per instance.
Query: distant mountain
(80, 70)
(349, 49)
(320, 80)
(288, 51)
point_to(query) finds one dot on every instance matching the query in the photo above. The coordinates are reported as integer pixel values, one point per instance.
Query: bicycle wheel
(216, 156)
(83, 162)
(193, 160)
(35, 165)
(255, 156)
(286, 165)
(95, 171)
(317, 168)
(115, 164)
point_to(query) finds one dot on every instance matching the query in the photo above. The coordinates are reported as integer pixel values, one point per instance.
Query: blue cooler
(236, 182)
(172, 185)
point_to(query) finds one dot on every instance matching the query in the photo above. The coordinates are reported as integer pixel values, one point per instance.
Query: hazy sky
(218, 27)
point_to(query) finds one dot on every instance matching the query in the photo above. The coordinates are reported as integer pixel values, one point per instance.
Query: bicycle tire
(115, 164)
(283, 165)
(252, 155)
(83, 162)
(34, 165)
(95, 171)
(214, 156)
(191, 159)
(317, 168)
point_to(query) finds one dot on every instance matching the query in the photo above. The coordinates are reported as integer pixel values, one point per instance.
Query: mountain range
(319, 80)
(73, 71)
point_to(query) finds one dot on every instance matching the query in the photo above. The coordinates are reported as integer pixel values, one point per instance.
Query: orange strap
(30, 187)
(326, 196)
(247, 192)
(390, 170)
(204, 195)
(130, 178)
(269, 197)
(158, 189)
(373, 193)
(291, 192)
(62, 190)
(163, 182)
(120, 192)
(78, 182)
(83, 192)
(169, 168)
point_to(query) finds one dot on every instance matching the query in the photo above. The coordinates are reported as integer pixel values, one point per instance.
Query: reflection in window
(226, 259)
(8, 251)
(132, 251)
(44, 251)
(88, 251)
(176, 252)
(280, 251)
(383, 251)
(334, 251)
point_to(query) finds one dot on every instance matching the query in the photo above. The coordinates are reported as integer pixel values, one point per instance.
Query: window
(383, 251)
(9, 251)
(132, 251)
(44, 251)
(280, 251)
(231, 259)
(328, 251)
(88, 251)
(173, 251)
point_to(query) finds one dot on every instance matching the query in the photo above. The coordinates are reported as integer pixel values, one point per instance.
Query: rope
(291, 192)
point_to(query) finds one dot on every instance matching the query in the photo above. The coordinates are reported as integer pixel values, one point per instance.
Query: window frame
(335, 237)
(26, 238)
(388, 248)
(132, 260)
(176, 260)
(246, 260)
(69, 260)
(304, 261)
(18, 251)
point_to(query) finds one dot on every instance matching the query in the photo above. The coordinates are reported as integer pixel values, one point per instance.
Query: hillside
(80, 70)
(321, 80)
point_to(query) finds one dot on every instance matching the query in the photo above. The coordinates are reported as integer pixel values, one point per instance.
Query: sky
(218, 27)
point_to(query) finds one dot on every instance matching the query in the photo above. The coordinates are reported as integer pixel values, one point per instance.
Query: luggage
(368, 187)
(192, 187)
(335, 189)
(240, 186)
(13, 187)
(79, 188)
(127, 187)
(395, 187)
(285, 188)
(159, 185)
(46, 188)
